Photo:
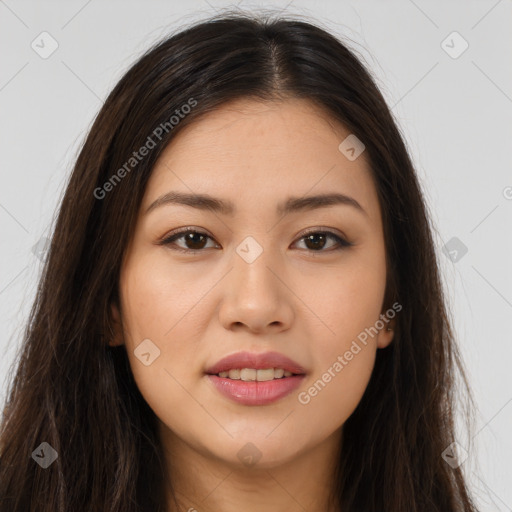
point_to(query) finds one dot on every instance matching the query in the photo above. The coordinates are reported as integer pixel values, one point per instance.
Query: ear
(386, 334)
(117, 333)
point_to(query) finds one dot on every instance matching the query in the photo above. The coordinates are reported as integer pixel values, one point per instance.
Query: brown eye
(316, 241)
(193, 240)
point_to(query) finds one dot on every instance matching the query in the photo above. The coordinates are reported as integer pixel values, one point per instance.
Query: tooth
(248, 374)
(251, 374)
(267, 374)
(234, 374)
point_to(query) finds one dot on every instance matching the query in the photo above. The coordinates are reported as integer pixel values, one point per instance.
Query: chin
(257, 452)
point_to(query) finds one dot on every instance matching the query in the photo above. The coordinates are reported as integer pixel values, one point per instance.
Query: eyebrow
(290, 205)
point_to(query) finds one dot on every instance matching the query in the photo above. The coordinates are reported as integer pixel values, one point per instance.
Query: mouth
(255, 379)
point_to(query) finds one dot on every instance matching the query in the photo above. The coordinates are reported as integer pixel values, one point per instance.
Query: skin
(309, 304)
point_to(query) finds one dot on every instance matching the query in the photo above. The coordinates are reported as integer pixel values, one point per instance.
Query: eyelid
(321, 229)
(183, 231)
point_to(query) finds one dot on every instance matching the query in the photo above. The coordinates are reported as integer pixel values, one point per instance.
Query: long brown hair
(76, 393)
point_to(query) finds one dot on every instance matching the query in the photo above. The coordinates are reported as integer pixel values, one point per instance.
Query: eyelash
(176, 235)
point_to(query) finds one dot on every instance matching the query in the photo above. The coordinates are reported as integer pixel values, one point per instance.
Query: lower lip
(254, 392)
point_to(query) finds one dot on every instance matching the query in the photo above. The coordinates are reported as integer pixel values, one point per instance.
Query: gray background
(454, 112)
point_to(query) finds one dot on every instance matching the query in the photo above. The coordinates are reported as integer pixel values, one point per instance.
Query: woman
(241, 306)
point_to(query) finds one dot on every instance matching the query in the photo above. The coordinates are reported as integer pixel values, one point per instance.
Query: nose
(256, 297)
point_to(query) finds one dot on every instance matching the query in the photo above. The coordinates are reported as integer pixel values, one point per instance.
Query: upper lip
(256, 361)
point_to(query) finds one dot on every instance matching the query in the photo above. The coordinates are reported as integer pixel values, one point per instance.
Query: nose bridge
(252, 275)
(254, 295)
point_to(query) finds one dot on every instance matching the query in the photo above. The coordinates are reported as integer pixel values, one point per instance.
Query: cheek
(159, 304)
(348, 304)
(160, 301)
(344, 355)
(335, 391)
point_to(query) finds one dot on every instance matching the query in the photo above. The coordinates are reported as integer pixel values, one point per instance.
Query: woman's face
(257, 278)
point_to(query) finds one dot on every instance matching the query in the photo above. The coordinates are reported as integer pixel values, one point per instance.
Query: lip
(254, 392)
(257, 361)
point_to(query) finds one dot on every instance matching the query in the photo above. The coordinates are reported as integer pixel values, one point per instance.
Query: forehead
(272, 126)
(249, 151)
